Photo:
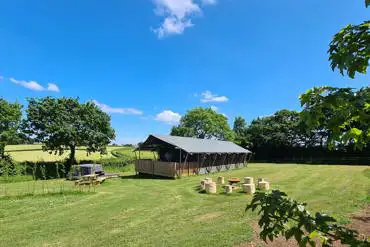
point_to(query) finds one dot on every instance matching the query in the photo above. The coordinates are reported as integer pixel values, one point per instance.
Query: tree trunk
(2, 150)
(71, 160)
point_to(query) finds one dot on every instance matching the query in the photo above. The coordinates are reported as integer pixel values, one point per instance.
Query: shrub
(8, 167)
(56, 169)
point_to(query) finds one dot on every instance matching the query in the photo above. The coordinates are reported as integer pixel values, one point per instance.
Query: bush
(56, 169)
(115, 162)
(45, 169)
(8, 167)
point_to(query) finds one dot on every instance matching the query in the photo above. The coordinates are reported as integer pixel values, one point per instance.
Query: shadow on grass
(35, 196)
(145, 176)
(198, 189)
(221, 191)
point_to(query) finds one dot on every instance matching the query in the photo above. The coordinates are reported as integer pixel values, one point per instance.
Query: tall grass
(48, 177)
(35, 180)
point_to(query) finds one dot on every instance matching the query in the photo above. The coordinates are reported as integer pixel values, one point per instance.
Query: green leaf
(314, 234)
(356, 132)
(300, 208)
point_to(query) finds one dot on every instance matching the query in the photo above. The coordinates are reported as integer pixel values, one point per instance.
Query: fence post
(152, 167)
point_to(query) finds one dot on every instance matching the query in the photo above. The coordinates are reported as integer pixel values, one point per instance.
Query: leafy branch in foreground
(344, 112)
(281, 215)
(350, 49)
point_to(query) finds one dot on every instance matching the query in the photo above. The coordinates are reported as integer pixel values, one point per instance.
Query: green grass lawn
(155, 212)
(35, 153)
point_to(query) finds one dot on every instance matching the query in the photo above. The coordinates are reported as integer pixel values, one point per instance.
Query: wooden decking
(159, 168)
(175, 169)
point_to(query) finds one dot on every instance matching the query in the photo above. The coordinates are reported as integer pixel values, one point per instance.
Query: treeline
(285, 137)
(333, 128)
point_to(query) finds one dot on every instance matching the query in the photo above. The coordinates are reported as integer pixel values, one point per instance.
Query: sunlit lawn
(156, 212)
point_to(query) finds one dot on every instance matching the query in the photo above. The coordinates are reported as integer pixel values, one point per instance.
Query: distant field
(129, 152)
(35, 153)
(131, 211)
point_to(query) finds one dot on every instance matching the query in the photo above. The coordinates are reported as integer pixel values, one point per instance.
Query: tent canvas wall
(177, 156)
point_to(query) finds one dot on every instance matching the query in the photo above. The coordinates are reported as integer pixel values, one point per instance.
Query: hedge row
(54, 169)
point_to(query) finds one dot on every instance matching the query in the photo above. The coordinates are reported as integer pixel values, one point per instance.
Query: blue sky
(146, 62)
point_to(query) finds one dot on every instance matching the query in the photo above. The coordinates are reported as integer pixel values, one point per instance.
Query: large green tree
(240, 131)
(344, 112)
(10, 117)
(203, 123)
(65, 123)
(282, 129)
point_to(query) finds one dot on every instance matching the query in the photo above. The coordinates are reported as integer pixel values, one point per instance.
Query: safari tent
(178, 156)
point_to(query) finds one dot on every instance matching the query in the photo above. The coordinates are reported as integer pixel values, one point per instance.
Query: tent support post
(203, 160)
(249, 157)
(244, 159)
(240, 159)
(213, 163)
(140, 157)
(180, 164)
(155, 156)
(186, 161)
(223, 162)
(233, 159)
(136, 160)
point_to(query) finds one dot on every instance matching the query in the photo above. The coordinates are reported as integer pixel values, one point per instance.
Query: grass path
(154, 212)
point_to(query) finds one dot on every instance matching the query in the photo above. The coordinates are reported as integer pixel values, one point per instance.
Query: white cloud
(213, 107)
(35, 86)
(126, 111)
(53, 87)
(169, 117)
(177, 15)
(172, 25)
(207, 96)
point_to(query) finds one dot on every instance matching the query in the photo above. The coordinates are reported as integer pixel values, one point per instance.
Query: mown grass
(131, 211)
(34, 153)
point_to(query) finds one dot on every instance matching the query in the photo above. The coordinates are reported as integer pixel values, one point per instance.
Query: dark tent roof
(193, 145)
